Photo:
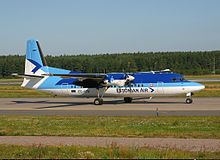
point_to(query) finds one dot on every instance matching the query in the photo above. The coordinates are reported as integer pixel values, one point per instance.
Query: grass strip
(202, 76)
(176, 127)
(110, 152)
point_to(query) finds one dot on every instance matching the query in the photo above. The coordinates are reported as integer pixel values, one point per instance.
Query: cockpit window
(174, 79)
(179, 79)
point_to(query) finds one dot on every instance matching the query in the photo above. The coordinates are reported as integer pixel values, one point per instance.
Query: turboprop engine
(119, 82)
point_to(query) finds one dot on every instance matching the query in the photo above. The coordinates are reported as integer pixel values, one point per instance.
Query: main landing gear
(189, 98)
(99, 100)
(127, 99)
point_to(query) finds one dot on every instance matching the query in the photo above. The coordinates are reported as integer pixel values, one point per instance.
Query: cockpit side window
(180, 79)
(174, 79)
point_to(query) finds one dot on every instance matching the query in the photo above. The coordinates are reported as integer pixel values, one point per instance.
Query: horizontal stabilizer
(26, 76)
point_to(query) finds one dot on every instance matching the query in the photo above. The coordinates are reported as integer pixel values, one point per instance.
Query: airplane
(38, 75)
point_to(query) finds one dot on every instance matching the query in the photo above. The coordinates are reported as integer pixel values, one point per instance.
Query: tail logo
(37, 65)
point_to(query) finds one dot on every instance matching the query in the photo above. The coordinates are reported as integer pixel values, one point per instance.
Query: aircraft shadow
(72, 104)
(56, 104)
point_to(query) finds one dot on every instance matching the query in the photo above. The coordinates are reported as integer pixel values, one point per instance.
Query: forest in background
(190, 63)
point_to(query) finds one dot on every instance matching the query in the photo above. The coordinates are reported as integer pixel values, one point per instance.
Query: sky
(109, 26)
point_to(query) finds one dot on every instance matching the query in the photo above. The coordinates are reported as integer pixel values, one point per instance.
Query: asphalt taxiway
(111, 107)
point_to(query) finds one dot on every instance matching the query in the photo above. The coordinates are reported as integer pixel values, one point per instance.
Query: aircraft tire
(127, 99)
(189, 100)
(98, 101)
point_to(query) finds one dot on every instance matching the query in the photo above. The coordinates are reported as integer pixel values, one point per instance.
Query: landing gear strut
(189, 98)
(99, 100)
(127, 99)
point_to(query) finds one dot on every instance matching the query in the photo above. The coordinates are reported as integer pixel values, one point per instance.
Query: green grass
(202, 76)
(207, 93)
(212, 89)
(16, 91)
(110, 152)
(11, 79)
(178, 127)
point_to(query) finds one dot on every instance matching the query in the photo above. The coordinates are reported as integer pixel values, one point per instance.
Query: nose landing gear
(189, 98)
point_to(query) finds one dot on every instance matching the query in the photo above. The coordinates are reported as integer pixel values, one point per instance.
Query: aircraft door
(160, 86)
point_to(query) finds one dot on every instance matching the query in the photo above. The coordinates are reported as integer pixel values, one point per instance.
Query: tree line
(193, 63)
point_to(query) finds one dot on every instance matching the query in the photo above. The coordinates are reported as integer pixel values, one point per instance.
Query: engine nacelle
(119, 82)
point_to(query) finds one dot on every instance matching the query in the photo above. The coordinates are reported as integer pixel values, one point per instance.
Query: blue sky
(109, 26)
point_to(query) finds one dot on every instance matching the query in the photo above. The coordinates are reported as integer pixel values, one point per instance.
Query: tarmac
(112, 107)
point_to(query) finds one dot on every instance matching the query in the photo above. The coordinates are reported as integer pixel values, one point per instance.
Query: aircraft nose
(200, 86)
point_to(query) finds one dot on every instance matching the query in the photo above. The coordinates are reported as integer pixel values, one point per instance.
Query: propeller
(119, 82)
(128, 81)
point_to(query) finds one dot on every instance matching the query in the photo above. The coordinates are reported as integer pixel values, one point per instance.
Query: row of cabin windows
(132, 85)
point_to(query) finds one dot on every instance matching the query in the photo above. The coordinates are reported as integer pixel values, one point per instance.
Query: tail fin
(36, 69)
(34, 58)
(35, 65)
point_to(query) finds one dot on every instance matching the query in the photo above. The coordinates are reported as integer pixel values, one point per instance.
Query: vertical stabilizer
(35, 65)
(34, 58)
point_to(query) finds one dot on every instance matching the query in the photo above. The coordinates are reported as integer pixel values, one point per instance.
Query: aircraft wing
(91, 80)
(80, 75)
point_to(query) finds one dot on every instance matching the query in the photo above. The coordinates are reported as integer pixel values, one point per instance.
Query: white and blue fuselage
(149, 87)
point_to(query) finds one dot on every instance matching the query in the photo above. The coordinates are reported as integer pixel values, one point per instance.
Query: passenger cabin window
(73, 91)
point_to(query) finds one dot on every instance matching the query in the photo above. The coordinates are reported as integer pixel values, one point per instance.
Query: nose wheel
(189, 98)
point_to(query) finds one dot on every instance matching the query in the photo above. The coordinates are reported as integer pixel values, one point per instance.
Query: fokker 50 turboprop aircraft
(127, 85)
